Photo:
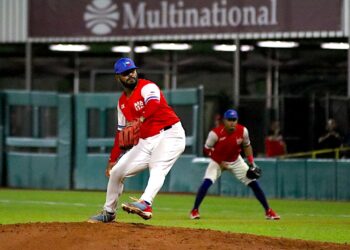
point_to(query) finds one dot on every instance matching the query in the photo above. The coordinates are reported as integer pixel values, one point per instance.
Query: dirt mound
(138, 236)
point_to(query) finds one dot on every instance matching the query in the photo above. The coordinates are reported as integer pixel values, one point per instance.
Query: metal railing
(313, 154)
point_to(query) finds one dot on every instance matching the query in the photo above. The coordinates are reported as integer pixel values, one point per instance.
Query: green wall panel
(343, 180)
(137, 182)
(229, 185)
(268, 179)
(29, 171)
(186, 176)
(39, 170)
(291, 179)
(94, 178)
(86, 172)
(321, 179)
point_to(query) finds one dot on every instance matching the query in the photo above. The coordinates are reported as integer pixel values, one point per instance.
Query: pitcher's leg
(163, 157)
(128, 165)
(155, 183)
(114, 190)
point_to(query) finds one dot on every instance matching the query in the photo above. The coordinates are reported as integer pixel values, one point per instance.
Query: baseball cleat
(141, 208)
(194, 214)
(272, 215)
(102, 217)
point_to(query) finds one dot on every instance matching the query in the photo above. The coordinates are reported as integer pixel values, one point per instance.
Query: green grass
(308, 220)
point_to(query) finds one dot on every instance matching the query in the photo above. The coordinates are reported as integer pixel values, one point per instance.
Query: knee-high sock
(259, 194)
(202, 191)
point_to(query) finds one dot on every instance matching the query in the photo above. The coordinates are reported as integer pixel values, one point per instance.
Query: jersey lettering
(138, 105)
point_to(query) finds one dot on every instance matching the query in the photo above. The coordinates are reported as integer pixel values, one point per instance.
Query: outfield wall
(73, 154)
(315, 179)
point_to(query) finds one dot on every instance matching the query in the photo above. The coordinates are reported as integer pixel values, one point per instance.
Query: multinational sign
(170, 17)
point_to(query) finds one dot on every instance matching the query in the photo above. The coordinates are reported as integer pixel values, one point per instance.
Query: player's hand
(109, 167)
(129, 136)
(254, 171)
(207, 151)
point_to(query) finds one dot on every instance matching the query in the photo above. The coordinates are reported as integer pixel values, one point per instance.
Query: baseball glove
(254, 172)
(130, 135)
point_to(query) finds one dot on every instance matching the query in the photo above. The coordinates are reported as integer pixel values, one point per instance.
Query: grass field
(308, 220)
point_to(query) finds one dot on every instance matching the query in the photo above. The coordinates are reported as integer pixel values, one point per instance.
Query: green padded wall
(321, 179)
(32, 169)
(229, 185)
(187, 177)
(89, 167)
(89, 170)
(343, 180)
(268, 180)
(291, 178)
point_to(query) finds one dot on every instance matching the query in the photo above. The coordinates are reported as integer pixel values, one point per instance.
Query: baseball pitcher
(150, 135)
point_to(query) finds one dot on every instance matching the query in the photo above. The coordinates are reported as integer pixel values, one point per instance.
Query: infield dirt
(82, 235)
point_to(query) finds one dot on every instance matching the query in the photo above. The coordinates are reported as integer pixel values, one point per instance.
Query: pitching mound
(138, 236)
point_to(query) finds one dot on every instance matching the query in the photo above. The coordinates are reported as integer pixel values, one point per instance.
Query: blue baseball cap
(231, 114)
(124, 64)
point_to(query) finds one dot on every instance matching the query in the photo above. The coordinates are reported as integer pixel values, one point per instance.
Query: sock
(202, 191)
(259, 194)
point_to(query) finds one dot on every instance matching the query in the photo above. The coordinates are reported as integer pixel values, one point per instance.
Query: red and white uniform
(162, 140)
(147, 101)
(224, 147)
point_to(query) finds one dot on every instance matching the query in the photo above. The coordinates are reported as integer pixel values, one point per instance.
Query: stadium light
(171, 46)
(127, 49)
(334, 45)
(142, 49)
(232, 47)
(121, 49)
(277, 44)
(69, 47)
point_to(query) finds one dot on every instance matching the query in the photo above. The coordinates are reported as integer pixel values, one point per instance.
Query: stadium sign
(111, 19)
(178, 15)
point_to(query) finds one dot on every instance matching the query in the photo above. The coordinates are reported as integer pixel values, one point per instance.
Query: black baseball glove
(254, 172)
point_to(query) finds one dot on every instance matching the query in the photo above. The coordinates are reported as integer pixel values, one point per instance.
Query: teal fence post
(89, 169)
(64, 147)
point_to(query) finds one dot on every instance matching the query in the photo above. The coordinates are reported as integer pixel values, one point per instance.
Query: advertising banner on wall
(147, 19)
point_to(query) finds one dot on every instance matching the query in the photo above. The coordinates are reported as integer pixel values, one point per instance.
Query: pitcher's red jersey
(135, 106)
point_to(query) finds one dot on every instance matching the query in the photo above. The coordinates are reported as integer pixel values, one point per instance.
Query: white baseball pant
(158, 153)
(238, 168)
